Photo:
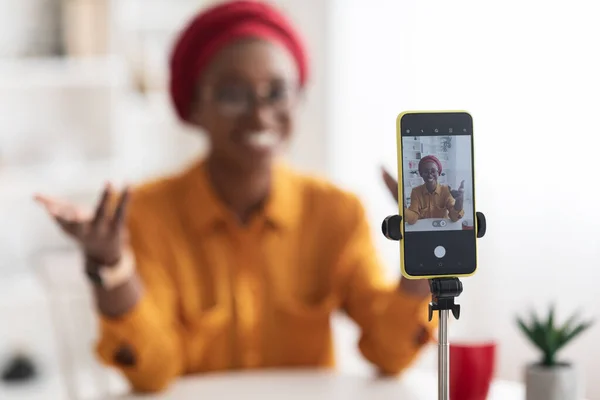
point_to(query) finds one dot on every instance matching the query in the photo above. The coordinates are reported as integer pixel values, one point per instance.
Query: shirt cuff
(410, 314)
(137, 329)
(456, 215)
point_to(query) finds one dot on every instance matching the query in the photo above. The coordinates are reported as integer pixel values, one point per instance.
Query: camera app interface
(437, 182)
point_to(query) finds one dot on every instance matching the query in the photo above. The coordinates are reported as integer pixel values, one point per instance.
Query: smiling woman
(243, 76)
(239, 261)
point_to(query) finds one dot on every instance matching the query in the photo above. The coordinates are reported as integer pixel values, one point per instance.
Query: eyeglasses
(431, 171)
(236, 100)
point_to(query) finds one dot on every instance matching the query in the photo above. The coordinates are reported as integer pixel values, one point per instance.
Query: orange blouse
(221, 296)
(438, 204)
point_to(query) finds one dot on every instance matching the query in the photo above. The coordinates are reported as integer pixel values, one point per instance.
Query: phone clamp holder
(443, 294)
(391, 226)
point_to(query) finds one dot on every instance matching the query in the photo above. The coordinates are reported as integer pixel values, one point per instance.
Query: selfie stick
(443, 293)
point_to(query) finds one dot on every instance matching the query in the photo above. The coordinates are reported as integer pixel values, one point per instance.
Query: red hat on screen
(432, 159)
(218, 26)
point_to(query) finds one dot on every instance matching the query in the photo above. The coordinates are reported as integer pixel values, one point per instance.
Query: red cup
(471, 370)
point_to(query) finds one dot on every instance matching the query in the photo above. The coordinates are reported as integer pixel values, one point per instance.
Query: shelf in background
(61, 178)
(63, 71)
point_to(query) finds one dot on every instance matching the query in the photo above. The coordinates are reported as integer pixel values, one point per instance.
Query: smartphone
(436, 193)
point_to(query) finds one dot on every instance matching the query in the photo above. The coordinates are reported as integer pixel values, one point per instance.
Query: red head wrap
(215, 28)
(432, 159)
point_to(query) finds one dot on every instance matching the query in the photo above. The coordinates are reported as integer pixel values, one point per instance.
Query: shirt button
(125, 356)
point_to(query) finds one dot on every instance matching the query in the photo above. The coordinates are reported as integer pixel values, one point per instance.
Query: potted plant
(549, 378)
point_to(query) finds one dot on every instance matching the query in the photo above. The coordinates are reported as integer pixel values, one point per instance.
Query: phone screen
(437, 180)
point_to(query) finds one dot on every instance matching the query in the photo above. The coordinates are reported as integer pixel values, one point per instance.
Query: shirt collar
(438, 189)
(206, 212)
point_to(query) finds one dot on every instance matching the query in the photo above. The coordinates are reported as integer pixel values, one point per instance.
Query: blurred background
(83, 99)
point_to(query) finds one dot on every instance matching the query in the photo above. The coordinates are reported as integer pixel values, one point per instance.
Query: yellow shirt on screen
(437, 204)
(221, 296)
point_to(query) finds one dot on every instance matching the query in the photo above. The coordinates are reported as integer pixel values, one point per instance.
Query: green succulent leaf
(549, 338)
(526, 330)
(575, 332)
(550, 324)
(567, 325)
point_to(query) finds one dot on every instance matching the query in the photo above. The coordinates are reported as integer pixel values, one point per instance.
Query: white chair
(75, 325)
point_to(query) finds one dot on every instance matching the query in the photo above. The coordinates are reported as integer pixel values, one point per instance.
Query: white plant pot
(552, 383)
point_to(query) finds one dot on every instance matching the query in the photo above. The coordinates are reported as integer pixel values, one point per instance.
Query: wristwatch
(110, 276)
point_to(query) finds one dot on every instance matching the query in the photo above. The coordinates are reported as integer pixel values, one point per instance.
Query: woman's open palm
(100, 234)
(458, 193)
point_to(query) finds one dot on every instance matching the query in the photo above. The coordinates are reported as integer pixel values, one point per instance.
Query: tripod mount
(443, 294)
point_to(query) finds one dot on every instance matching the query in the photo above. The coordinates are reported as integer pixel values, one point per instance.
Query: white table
(315, 385)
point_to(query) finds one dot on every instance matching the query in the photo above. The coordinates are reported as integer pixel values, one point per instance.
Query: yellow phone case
(401, 195)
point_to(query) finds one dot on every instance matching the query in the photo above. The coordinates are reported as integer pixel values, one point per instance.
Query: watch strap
(110, 276)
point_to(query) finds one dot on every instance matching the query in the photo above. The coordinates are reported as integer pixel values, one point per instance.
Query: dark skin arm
(101, 236)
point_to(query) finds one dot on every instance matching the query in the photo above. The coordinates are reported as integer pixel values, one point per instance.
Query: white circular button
(439, 251)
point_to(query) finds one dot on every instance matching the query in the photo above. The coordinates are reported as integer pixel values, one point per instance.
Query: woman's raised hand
(101, 234)
(459, 193)
(390, 183)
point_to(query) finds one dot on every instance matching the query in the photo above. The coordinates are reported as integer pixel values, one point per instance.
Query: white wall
(528, 72)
